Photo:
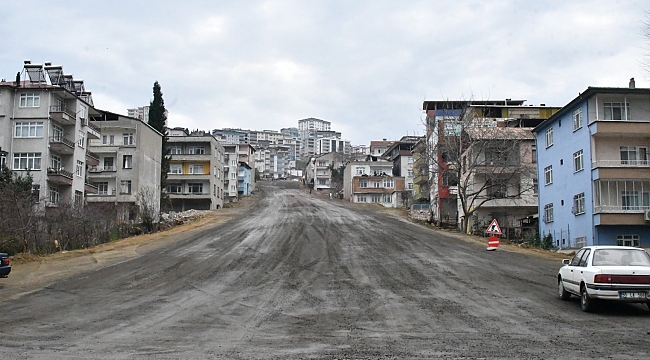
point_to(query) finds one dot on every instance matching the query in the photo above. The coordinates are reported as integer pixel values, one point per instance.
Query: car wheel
(586, 303)
(564, 295)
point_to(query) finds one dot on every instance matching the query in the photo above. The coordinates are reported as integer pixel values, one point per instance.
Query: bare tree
(148, 207)
(478, 160)
(17, 211)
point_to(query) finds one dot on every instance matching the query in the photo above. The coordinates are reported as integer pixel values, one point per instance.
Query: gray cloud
(366, 66)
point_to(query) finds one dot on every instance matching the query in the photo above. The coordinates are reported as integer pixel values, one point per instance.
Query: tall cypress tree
(157, 120)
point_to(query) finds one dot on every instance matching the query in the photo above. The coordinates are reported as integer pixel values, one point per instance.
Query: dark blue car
(5, 265)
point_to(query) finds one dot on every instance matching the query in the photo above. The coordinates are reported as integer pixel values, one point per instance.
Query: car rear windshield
(621, 257)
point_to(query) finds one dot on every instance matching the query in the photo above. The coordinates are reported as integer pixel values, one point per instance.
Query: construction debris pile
(178, 218)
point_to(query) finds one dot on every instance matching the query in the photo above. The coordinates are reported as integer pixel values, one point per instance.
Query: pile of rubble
(177, 218)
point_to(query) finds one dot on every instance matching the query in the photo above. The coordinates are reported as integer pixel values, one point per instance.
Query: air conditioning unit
(646, 215)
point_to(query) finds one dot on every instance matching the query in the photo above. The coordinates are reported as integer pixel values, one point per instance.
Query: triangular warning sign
(494, 228)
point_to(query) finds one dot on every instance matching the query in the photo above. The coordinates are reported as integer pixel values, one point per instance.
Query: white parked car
(617, 273)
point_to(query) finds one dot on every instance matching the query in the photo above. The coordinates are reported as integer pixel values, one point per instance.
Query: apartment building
(45, 129)
(372, 181)
(594, 171)
(196, 170)
(400, 153)
(321, 170)
(446, 122)
(499, 177)
(235, 154)
(378, 148)
(129, 153)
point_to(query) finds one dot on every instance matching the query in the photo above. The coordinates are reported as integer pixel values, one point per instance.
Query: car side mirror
(566, 261)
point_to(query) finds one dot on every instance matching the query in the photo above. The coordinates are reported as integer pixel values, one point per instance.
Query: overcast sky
(365, 66)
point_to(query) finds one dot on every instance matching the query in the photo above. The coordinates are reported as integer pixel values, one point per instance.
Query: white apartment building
(129, 155)
(45, 129)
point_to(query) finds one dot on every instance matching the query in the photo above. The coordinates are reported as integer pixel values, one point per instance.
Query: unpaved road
(301, 276)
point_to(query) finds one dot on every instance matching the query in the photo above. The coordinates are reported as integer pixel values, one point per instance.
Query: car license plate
(632, 295)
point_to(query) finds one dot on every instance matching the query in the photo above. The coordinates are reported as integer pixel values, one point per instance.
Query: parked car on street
(5, 265)
(616, 273)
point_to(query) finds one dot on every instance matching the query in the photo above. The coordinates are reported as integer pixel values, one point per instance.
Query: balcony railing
(97, 169)
(619, 163)
(62, 114)
(59, 176)
(62, 145)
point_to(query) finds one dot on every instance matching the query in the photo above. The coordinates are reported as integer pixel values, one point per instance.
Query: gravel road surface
(302, 276)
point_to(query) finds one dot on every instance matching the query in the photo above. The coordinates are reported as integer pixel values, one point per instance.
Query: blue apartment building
(593, 171)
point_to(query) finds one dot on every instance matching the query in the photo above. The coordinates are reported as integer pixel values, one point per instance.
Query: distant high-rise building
(142, 113)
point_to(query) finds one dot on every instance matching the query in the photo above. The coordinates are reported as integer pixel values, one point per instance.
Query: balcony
(188, 194)
(99, 169)
(620, 163)
(59, 176)
(421, 179)
(90, 188)
(92, 159)
(171, 176)
(61, 145)
(192, 157)
(63, 115)
(621, 196)
(632, 128)
(92, 130)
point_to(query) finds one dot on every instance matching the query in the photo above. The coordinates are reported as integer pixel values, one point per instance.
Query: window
(79, 170)
(409, 186)
(579, 204)
(377, 184)
(581, 241)
(233, 176)
(361, 198)
(578, 163)
(233, 162)
(54, 195)
(583, 259)
(548, 213)
(375, 198)
(322, 163)
(56, 162)
(175, 168)
(388, 183)
(630, 200)
(388, 198)
(195, 188)
(30, 100)
(409, 172)
(197, 150)
(535, 186)
(57, 132)
(175, 188)
(102, 188)
(628, 240)
(533, 153)
(27, 161)
(128, 139)
(109, 163)
(25, 129)
(78, 198)
(82, 139)
(175, 150)
(575, 261)
(363, 183)
(197, 169)
(549, 137)
(127, 161)
(616, 111)
(108, 139)
(634, 155)
(548, 175)
(496, 188)
(125, 187)
(577, 119)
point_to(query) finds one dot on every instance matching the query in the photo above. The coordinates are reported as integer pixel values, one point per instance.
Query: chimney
(632, 84)
(18, 78)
